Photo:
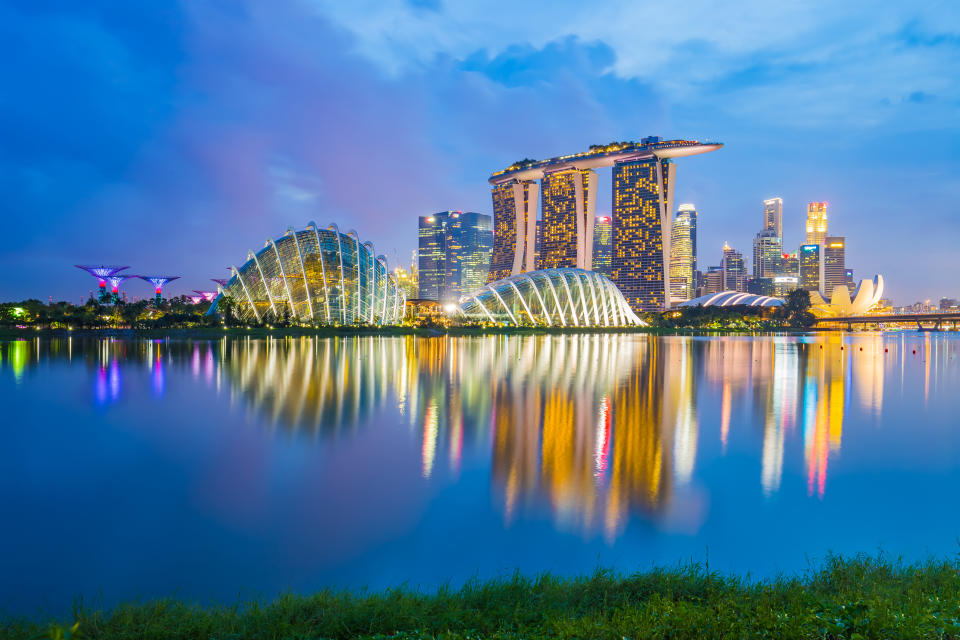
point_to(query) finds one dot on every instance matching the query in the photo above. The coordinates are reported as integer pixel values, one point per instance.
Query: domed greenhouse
(319, 276)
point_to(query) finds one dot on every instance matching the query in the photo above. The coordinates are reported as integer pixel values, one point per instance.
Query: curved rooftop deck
(603, 156)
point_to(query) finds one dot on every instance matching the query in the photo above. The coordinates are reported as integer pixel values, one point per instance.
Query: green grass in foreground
(845, 598)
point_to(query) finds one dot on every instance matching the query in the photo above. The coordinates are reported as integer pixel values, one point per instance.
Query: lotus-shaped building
(318, 276)
(842, 304)
(566, 297)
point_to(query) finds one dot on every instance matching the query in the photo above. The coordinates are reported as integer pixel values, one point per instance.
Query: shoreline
(854, 597)
(328, 332)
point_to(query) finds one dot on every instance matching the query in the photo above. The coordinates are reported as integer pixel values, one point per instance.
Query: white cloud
(812, 60)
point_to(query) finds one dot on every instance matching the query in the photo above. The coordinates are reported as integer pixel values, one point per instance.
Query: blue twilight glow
(189, 129)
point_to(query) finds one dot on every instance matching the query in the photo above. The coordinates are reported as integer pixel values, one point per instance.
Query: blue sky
(175, 136)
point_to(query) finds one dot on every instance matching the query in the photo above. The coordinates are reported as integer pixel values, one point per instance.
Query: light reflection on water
(597, 433)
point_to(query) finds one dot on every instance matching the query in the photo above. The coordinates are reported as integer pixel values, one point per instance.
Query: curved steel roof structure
(732, 299)
(565, 297)
(605, 156)
(316, 275)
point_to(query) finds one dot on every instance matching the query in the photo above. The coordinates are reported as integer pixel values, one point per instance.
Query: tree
(796, 309)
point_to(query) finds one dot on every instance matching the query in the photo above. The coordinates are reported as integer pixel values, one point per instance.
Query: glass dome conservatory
(316, 275)
(564, 297)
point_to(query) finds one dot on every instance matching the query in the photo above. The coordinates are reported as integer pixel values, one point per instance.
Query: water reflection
(587, 428)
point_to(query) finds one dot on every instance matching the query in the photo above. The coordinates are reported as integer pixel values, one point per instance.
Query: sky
(175, 136)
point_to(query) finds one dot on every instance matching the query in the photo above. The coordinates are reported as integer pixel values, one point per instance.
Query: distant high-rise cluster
(453, 255)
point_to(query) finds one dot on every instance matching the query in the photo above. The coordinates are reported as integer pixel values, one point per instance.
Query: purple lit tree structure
(204, 295)
(115, 282)
(101, 272)
(221, 281)
(159, 282)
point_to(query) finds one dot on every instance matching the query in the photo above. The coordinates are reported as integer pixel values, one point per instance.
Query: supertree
(158, 282)
(205, 295)
(115, 282)
(101, 272)
(221, 281)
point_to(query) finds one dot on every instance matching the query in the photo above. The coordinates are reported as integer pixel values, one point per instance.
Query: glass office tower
(683, 253)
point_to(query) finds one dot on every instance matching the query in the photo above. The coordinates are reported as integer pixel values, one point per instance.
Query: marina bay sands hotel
(566, 186)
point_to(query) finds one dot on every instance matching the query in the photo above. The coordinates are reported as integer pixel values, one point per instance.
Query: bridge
(938, 319)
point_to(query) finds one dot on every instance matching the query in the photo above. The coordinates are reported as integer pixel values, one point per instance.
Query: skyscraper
(816, 222)
(514, 227)
(432, 252)
(454, 254)
(468, 247)
(642, 203)
(834, 264)
(602, 245)
(568, 201)
(767, 252)
(643, 179)
(683, 254)
(734, 271)
(810, 276)
(773, 216)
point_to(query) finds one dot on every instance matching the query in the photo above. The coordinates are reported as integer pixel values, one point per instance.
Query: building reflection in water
(591, 428)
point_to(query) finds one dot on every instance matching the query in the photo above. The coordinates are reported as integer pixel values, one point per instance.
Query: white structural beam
(256, 314)
(286, 285)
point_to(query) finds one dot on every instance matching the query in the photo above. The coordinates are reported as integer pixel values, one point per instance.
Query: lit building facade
(767, 250)
(319, 276)
(514, 227)
(816, 222)
(773, 216)
(469, 245)
(683, 253)
(568, 218)
(642, 200)
(431, 255)
(734, 270)
(810, 267)
(602, 245)
(834, 264)
(454, 254)
(642, 217)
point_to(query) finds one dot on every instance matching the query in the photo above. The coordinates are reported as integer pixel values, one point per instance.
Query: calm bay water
(212, 469)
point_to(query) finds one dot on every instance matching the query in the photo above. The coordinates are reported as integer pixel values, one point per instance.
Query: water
(241, 467)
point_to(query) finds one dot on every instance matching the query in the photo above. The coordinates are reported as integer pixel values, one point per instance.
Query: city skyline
(163, 162)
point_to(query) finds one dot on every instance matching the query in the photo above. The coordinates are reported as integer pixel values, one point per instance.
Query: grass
(856, 598)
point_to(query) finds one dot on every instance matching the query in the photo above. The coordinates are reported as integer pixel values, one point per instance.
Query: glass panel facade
(551, 297)
(319, 276)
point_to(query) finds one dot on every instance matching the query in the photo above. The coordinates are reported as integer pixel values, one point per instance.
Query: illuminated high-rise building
(514, 228)
(602, 244)
(454, 254)
(568, 202)
(469, 245)
(816, 222)
(431, 254)
(642, 217)
(773, 216)
(683, 254)
(767, 252)
(834, 264)
(789, 264)
(713, 280)
(810, 267)
(734, 271)
(642, 202)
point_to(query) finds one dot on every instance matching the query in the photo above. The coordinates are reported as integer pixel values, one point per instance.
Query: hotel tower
(643, 183)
